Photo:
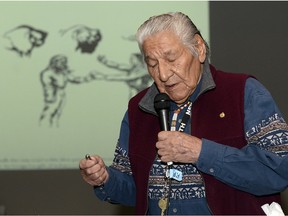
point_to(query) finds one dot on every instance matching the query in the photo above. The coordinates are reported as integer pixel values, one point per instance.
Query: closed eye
(151, 63)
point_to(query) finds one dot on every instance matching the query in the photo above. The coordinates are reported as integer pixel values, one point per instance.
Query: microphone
(162, 106)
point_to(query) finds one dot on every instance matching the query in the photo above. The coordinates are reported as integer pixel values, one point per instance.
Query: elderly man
(227, 145)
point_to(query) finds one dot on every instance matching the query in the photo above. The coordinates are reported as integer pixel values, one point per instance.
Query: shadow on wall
(2, 210)
(52, 192)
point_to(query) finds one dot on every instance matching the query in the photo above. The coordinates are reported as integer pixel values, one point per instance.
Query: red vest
(227, 98)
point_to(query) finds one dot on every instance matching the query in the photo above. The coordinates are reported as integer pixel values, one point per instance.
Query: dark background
(246, 37)
(252, 37)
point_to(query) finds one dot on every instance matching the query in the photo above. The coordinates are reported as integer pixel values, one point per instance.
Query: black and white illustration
(24, 39)
(86, 38)
(134, 74)
(68, 70)
(54, 79)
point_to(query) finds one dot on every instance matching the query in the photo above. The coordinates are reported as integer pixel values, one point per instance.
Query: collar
(206, 83)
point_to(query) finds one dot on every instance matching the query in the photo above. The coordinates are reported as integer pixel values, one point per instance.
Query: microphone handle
(164, 124)
(164, 120)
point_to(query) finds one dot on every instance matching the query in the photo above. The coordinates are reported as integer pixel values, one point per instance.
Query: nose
(164, 71)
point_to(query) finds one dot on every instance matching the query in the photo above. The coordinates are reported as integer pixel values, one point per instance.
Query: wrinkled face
(174, 69)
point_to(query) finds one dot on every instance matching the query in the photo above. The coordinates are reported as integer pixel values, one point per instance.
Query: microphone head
(161, 101)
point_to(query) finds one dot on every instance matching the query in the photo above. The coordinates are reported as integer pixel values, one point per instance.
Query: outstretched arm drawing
(54, 80)
(135, 75)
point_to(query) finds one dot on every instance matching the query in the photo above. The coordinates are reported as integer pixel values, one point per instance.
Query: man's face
(61, 64)
(174, 69)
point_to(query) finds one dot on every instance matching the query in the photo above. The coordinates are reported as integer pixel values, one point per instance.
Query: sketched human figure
(87, 38)
(54, 80)
(23, 39)
(135, 76)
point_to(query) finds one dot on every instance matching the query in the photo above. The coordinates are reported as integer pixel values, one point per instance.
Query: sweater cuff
(103, 190)
(210, 158)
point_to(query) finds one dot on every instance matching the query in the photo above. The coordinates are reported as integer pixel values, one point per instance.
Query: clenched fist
(178, 147)
(93, 170)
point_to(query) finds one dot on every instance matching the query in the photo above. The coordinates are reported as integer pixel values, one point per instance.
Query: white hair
(177, 22)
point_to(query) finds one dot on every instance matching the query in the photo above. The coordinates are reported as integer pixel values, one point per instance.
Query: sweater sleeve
(260, 167)
(120, 175)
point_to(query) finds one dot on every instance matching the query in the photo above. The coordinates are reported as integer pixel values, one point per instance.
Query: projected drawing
(135, 74)
(54, 80)
(86, 38)
(24, 38)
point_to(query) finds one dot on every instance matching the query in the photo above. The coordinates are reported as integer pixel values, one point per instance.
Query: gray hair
(177, 22)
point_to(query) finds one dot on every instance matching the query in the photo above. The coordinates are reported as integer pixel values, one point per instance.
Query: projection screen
(67, 73)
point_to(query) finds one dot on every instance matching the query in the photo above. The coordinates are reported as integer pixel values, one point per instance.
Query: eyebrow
(165, 54)
(146, 58)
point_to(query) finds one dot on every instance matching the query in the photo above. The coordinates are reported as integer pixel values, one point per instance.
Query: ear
(201, 48)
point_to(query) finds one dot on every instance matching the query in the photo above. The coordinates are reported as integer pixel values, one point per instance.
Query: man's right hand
(94, 170)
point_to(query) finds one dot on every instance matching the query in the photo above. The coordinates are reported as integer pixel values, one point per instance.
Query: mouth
(170, 87)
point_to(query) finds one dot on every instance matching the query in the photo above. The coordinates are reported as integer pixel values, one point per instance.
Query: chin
(177, 100)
